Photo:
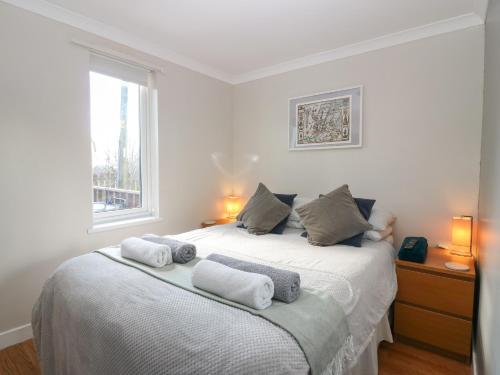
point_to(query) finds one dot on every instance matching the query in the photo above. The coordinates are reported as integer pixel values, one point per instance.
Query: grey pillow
(263, 211)
(332, 218)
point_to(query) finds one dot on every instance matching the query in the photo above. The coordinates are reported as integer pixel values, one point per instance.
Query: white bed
(101, 314)
(362, 279)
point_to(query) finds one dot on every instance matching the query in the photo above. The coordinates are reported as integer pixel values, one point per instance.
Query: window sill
(123, 224)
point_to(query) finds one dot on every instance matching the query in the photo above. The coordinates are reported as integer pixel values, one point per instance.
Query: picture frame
(326, 120)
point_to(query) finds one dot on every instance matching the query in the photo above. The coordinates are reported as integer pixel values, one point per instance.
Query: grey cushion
(263, 211)
(332, 218)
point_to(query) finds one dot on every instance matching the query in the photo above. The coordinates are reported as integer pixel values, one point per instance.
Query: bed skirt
(367, 362)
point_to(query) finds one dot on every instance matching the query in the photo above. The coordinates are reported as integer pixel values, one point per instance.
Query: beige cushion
(263, 211)
(332, 218)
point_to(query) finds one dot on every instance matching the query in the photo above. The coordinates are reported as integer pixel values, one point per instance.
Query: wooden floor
(19, 359)
(394, 359)
(399, 359)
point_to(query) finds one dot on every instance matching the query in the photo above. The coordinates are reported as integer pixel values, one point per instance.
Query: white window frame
(148, 123)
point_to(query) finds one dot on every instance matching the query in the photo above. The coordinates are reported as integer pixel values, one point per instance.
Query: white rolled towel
(249, 289)
(150, 253)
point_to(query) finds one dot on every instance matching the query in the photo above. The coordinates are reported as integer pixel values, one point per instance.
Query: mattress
(363, 280)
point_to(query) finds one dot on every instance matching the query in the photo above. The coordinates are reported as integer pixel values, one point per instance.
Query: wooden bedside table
(217, 222)
(434, 305)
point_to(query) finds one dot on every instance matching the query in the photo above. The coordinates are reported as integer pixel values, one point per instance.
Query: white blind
(118, 69)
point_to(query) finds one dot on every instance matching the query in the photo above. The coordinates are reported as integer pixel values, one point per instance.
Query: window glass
(116, 143)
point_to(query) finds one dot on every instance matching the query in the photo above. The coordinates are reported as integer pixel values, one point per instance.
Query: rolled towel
(182, 252)
(152, 254)
(286, 283)
(249, 289)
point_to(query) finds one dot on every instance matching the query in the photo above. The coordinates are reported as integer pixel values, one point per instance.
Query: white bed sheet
(363, 280)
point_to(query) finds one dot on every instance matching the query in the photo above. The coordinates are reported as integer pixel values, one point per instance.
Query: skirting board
(15, 336)
(474, 361)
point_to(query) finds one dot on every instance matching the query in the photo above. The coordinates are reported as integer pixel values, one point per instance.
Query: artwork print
(326, 120)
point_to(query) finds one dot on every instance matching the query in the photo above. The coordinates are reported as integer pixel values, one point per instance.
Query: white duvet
(362, 280)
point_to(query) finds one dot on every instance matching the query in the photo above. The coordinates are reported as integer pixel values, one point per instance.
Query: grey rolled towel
(250, 289)
(182, 252)
(286, 283)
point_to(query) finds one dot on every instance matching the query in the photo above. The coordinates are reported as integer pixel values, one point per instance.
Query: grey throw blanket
(182, 252)
(286, 283)
(96, 315)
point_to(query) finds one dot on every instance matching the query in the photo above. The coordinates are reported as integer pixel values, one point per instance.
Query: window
(123, 133)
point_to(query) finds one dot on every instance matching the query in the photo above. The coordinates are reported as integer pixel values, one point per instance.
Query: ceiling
(234, 39)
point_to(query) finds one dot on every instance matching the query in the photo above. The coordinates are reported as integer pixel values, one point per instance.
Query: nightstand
(434, 305)
(209, 223)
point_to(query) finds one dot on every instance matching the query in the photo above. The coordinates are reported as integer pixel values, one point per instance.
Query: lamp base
(460, 251)
(456, 266)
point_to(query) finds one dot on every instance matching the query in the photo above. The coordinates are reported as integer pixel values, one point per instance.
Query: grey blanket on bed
(105, 315)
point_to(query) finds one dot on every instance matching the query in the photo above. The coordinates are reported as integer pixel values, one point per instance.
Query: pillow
(263, 211)
(365, 208)
(378, 235)
(294, 218)
(280, 227)
(294, 224)
(380, 219)
(288, 200)
(389, 239)
(332, 218)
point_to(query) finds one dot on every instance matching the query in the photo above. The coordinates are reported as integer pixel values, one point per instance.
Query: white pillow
(294, 218)
(380, 219)
(295, 224)
(378, 235)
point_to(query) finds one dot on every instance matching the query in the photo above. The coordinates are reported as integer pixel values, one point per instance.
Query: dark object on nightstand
(434, 305)
(413, 249)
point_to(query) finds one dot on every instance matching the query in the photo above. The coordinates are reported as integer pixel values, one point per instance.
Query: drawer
(439, 330)
(435, 292)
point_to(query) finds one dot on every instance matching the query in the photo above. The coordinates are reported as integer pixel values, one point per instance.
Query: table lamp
(461, 241)
(461, 235)
(233, 206)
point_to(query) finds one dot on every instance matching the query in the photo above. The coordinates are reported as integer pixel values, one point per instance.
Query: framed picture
(330, 119)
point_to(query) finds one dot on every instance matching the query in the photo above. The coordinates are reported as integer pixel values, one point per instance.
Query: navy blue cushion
(280, 227)
(365, 207)
(288, 200)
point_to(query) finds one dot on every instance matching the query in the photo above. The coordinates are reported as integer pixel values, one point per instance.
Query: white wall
(45, 155)
(422, 129)
(488, 327)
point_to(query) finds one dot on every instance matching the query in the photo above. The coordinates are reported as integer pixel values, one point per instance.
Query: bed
(96, 315)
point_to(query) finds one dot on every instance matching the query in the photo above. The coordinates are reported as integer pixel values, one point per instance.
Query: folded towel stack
(182, 252)
(249, 289)
(286, 283)
(152, 254)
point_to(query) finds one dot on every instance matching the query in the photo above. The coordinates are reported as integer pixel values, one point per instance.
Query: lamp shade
(233, 205)
(461, 235)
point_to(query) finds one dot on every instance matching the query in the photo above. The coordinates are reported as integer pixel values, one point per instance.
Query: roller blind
(118, 69)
